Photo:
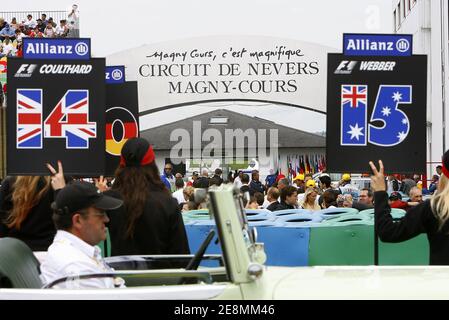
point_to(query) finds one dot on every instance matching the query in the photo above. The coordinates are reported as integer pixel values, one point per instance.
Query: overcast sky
(119, 25)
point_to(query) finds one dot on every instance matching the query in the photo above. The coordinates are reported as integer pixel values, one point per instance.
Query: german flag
(121, 125)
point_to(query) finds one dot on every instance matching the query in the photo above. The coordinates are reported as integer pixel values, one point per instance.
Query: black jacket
(284, 206)
(256, 186)
(37, 230)
(273, 206)
(419, 219)
(159, 230)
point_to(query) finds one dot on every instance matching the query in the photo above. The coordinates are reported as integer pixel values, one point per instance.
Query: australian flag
(29, 119)
(70, 119)
(353, 115)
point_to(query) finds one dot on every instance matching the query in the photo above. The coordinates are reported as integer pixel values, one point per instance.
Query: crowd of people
(143, 209)
(13, 32)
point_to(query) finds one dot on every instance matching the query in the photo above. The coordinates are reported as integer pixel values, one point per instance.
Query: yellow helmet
(310, 183)
(299, 176)
(346, 177)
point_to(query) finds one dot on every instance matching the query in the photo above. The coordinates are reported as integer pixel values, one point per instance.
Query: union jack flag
(70, 119)
(354, 115)
(29, 119)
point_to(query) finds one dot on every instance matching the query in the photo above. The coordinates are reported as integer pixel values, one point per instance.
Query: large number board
(56, 112)
(376, 109)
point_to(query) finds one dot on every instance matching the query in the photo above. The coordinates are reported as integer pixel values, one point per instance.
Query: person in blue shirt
(168, 178)
(270, 179)
(8, 32)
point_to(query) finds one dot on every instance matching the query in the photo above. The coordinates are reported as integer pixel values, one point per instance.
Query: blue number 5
(396, 125)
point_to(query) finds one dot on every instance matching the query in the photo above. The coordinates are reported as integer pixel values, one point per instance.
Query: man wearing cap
(299, 181)
(193, 179)
(347, 188)
(80, 218)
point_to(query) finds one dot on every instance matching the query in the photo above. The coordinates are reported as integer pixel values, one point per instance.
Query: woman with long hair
(25, 208)
(150, 221)
(430, 216)
(309, 201)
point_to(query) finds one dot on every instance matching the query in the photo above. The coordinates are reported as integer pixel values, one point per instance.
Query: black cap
(136, 152)
(395, 196)
(81, 195)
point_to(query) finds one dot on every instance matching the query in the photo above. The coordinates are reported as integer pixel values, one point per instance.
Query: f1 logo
(345, 67)
(26, 68)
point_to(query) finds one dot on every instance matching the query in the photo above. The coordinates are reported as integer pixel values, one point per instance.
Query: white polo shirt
(68, 255)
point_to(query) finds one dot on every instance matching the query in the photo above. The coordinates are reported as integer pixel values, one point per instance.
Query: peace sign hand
(57, 177)
(378, 178)
(101, 184)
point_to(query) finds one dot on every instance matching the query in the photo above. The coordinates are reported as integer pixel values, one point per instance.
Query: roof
(287, 137)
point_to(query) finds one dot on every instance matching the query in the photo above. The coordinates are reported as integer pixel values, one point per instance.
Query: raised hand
(57, 177)
(101, 184)
(378, 178)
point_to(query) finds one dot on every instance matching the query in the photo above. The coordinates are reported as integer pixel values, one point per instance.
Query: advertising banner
(56, 112)
(56, 48)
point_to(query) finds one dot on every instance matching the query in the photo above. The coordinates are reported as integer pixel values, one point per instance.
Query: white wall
(424, 22)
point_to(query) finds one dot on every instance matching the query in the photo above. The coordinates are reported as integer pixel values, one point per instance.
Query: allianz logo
(79, 49)
(346, 66)
(401, 45)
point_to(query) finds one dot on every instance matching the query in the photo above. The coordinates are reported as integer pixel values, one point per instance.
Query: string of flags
(308, 163)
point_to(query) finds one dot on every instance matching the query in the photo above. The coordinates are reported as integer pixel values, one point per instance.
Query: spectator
(255, 185)
(238, 180)
(51, 22)
(252, 203)
(7, 32)
(395, 201)
(434, 183)
(217, 176)
(30, 23)
(14, 24)
(73, 20)
(193, 179)
(270, 179)
(167, 177)
(310, 199)
(62, 30)
(245, 184)
(49, 32)
(283, 183)
(392, 184)
(347, 188)
(41, 26)
(150, 221)
(439, 170)
(289, 198)
(3, 24)
(7, 47)
(215, 181)
(365, 200)
(188, 193)
(344, 201)
(179, 193)
(272, 197)
(407, 184)
(259, 198)
(44, 19)
(430, 216)
(79, 216)
(299, 181)
(19, 35)
(203, 181)
(329, 199)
